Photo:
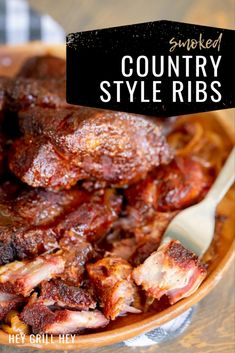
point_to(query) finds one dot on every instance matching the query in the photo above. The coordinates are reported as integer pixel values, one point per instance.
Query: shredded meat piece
(59, 294)
(172, 270)
(116, 291)
(123, 248)
(147, 233)
(44, 320)
(95, 142)
(144, 249)
(76, 252)
(8, 302)
(94, 218)
(21, 277)
(35, 221)
(43, 67)
(148, 226)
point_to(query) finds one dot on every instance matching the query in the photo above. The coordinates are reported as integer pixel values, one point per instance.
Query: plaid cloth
(20, 24)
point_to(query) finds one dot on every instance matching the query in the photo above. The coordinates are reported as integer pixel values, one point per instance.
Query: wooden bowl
(131, 325)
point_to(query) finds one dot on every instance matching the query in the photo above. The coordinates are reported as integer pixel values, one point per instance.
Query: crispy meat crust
(95, 143)
(172, 270)
(36, 163)
(59, 294)
(171, 187)
(44, 320)
(93, 218)
(37, 121)
(17, 94)
(21, 277)
(41, 207)
(21, 242)
(19, 239)
(76, 253)
(43, 67)
(35, 220)
(153, 202)
(180, 184)
(115, 290)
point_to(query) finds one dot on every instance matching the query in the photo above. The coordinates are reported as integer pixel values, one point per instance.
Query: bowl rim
(131, 330)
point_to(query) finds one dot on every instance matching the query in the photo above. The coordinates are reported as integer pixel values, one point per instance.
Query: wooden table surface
(213, 326)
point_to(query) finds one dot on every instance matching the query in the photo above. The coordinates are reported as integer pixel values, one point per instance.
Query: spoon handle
(224, 180)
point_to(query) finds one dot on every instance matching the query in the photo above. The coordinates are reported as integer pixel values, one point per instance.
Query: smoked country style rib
(93, 218)
(36, 121)
(22, 242)
(115, 290)
(180, 184)
(21, 277)
(27, 218)
(35, 221)
(43, 67)
(149, 224)
(153, 202)
(41, 207)
(19, 93)
(172, 270)
(43, 320)
(145, 232)
(17, 238)
(36, 163)
(171, 187)
(58, 294)
(89, 223)
(114, 147)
